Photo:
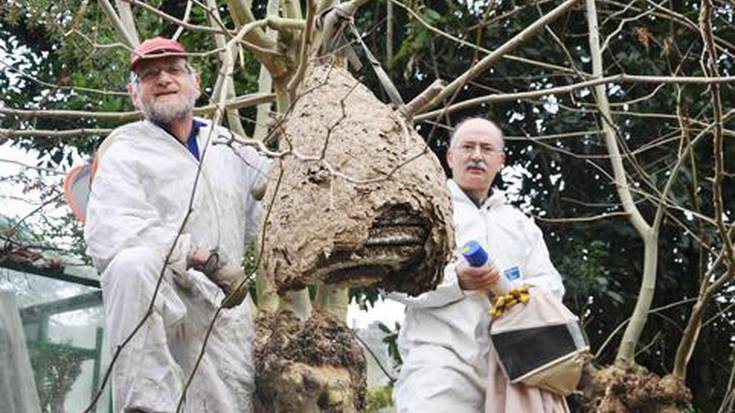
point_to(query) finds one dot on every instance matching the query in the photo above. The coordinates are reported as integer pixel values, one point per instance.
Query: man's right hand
(198, 257)
(483, 278)
(228, 277)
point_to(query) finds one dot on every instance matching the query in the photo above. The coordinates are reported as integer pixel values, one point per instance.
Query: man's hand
(227, 276)
(483, 278)
(198, 258)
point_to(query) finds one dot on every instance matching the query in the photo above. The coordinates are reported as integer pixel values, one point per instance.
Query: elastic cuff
(460, 292)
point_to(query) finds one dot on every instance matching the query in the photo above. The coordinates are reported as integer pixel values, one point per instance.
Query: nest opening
(395, 244)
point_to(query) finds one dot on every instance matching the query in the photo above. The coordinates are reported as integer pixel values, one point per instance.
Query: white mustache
(475, 164)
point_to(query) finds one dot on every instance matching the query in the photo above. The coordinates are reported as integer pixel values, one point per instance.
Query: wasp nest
(360, 200)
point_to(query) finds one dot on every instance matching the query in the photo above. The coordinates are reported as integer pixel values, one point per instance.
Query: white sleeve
(256, 168)
(445, 293)
(120, 216)
(538, 269)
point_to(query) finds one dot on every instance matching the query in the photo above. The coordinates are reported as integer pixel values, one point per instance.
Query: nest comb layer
(381, 216)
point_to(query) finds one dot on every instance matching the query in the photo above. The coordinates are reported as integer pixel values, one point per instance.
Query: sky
(386, 311)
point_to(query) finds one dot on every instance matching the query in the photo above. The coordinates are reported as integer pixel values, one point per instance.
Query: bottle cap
(475, 255)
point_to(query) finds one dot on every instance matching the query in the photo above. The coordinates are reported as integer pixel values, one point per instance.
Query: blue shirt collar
(191, 143)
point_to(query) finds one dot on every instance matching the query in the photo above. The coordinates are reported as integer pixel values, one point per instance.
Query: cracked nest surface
(369, 205)
(308, 367)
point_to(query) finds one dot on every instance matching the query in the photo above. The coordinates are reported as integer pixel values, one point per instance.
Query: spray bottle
(476, 256)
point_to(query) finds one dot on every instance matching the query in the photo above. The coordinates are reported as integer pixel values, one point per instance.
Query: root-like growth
(314, 366)
(615, 390)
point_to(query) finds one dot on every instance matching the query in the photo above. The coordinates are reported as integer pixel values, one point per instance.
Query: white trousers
(151, 370)
(434, 379)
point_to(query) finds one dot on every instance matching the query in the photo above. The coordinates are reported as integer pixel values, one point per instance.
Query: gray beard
(167, 113)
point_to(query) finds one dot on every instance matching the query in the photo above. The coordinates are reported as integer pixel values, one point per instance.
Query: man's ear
(450, 155)
(133, 95)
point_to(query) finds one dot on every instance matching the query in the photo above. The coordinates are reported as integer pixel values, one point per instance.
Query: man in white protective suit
(139, 201)
(445, 342)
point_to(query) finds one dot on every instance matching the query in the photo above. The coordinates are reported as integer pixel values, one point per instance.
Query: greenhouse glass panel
(62, 318)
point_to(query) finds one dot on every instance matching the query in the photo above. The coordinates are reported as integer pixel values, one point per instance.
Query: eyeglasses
(173, 69)
(469, 148)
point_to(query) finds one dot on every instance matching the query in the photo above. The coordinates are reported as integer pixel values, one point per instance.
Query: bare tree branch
(187, 13)
(493, 57)
(622, 324)
(223, 81)
(306, 43)
(6, 134)
(468, 44)
(236, 103)
(622, 24)
(694, 325)
(62, 87)
(128, 38)
(127, 20)
(26, 166)
(619, 78)
(604, 215)
(265, 81)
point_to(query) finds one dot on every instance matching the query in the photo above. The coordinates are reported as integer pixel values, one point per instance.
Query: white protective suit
(444, 341)
(139, 198)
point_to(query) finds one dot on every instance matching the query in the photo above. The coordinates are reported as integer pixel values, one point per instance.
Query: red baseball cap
(156, 45)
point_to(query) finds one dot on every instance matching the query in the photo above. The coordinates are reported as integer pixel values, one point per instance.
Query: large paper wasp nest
(376, 211)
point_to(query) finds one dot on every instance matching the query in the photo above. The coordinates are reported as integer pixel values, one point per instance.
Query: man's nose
(164, 77)
(476, 152)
